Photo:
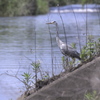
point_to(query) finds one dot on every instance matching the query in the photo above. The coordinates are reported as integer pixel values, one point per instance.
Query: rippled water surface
(17, 45)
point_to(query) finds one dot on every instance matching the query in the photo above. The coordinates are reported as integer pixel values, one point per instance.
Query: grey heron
(65, 49)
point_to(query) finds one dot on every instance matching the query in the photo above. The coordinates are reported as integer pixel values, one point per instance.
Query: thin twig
(17, 70)
(86, 25)
(63, 26)
(28, 59)
(62, 23)
(35, 55)
(51, 48)
(98, 13)
(77, 30)
(14, 76)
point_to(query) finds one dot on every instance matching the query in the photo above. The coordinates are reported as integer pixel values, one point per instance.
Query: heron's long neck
(59, 42)
(57, 34)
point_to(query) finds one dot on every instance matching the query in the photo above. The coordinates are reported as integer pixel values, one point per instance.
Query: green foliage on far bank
(33, 7)
(23, 7)
(12, 7)
(66, 2)
(42, 6)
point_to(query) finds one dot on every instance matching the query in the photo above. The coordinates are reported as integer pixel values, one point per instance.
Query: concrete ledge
(72, 86)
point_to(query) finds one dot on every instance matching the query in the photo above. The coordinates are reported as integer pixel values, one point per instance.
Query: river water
(24, 40)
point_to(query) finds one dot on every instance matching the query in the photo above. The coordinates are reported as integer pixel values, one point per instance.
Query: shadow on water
(17, 44)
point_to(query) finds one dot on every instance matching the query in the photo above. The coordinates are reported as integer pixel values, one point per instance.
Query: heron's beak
(50, 22)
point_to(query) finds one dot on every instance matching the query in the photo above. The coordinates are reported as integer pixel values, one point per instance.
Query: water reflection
(17, 45)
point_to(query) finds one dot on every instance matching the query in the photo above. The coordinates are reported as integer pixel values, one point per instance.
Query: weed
(92, 96)
(36, 69)
(97, 46)
(27, 80)
(64, 62)
(91, 49)
(88, 51)
(36, 66)
(73, 45)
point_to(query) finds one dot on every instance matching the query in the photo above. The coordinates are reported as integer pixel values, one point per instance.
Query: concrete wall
(72, 86)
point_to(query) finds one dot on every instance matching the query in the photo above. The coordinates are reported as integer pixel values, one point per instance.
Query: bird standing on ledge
(64, 48)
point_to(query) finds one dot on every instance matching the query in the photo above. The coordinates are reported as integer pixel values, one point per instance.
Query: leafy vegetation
(33, 7)
(31, 80)
(12, 7)
(88, 52)
(55, 2)
(27, 80)
(23, 7)
(92, 96)
(91, 49)
(42, 6)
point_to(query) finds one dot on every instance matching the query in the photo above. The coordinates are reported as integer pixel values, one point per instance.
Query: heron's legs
(73, 60)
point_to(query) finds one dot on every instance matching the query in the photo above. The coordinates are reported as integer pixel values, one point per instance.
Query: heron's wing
(70, 48)
(64, 47)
